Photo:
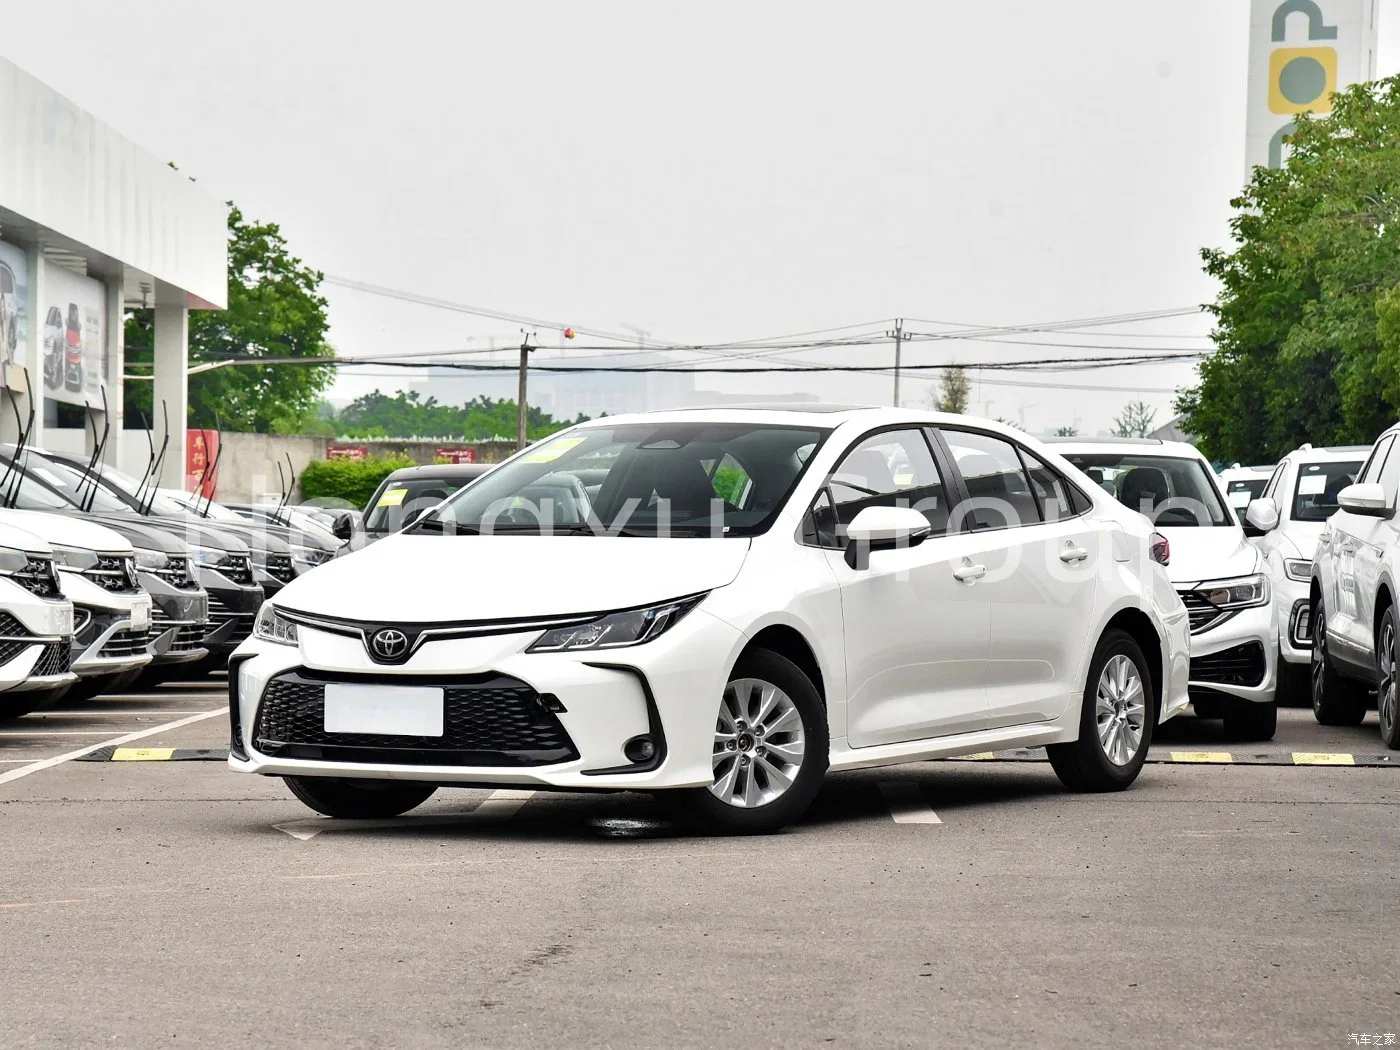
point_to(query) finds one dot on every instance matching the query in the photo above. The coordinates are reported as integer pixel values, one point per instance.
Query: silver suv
(1355, 580)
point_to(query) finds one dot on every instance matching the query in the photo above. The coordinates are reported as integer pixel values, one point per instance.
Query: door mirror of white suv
(1262, 516)
(1367, 498)
(883, 528)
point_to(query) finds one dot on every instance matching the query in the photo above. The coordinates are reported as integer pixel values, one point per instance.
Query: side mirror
(1367, 498)
(883, 528)
(344, 527)
(1261, 517)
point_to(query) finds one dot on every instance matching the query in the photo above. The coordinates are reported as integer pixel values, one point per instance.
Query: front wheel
(1336, 701)
(1115, 722)
(771, 748)
(1386, 700)
(359, 799)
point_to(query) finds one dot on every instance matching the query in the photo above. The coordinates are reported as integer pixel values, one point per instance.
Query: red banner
(347, 452)
(201, 448)
(456, 455)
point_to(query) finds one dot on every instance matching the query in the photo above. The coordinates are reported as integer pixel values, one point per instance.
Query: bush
(353, 480)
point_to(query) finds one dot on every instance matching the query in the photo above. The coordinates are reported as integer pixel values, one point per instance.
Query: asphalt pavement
(154, 900)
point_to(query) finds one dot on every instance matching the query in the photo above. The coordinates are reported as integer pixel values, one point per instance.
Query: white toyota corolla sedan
(719, 605)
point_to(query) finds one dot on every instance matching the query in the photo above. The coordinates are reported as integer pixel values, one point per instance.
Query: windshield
(649, 479)
(162, 506)
(1315, 493)
(72, 484)
(400, 496)
(1170, 490)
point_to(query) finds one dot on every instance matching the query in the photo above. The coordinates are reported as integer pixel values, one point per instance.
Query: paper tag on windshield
(392, 497)
(553, 450)
(1312, 484)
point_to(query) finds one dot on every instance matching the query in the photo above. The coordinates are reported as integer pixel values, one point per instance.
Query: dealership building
(91, 225)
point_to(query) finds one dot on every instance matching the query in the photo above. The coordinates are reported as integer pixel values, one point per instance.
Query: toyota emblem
(389, 644)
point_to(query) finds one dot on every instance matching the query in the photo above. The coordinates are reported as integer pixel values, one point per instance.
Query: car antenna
(157, 462)
(213, 474)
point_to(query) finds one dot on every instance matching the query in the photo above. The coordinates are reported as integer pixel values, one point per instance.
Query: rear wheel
(1336, 700)
(359, 799)
(1386, 699)
(771, 747)
(1115, 721)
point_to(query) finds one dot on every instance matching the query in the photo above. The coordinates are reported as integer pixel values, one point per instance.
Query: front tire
(1336, 701)
(1387, 702)
(1115, 721)
(359, 799)
(771, 751)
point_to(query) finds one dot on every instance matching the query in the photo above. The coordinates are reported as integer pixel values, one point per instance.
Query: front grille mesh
(56, 658)
(115, 573)
(1204, 614)
(38, 577)
(220, 614)
(1239, 665)
(125, 643)
(279, 567)
(238, 568)
(490, 721)
(11, 648)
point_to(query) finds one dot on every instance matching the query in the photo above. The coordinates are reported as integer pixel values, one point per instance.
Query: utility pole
(898, 336)
(521, 419)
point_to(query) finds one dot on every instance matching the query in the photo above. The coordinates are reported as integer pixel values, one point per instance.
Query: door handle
(1073, 553)
(967, 572)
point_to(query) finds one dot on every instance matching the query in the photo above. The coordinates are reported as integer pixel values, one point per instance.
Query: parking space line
(907, 804)
(20, 734)
(49, 763)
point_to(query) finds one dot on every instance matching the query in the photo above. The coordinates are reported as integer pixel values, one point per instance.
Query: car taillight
(1160, 549)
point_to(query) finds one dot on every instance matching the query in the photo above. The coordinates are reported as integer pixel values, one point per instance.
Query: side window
(1056, 496)
(1372, 471)
(1390, 476)
(998, 488)
(891, 469)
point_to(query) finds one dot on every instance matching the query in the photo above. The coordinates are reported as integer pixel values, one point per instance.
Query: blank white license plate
(389, 710)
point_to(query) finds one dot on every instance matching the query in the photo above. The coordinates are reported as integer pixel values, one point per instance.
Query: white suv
(1243, 484)
(1286, 522)
(1220, 574)
(1354, 587)
(733, 603)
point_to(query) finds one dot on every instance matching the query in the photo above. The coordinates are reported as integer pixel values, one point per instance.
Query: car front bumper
(1291, 607)
(44, 641)
(110, 634)
(1238, 658)
(668, 688)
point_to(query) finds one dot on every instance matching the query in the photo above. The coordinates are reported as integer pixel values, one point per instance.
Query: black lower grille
(12, 628)
(124, 643)
(188, 637)
(10, 648)
(56, 658)
(1238, 665)
(1204, 614)
(488, 720)
(220, 614)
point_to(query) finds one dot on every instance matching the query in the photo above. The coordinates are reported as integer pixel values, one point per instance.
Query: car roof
(440, 470)
(1177, 449)
(1328, 452)
(801, 413)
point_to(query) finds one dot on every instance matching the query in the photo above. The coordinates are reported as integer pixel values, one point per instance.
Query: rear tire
(1115, 720)
(1387, 701)
(777, 722)
(1245, 721)
(1336, 701)
(359, 799)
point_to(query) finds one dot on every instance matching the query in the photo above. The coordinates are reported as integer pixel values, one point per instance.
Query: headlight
(79, 559)
(629, 627)
(272, 626)
(1240, 593)
(151, 560)
(12, 561)
(311, 555)
(207, 556)
(1297, 569)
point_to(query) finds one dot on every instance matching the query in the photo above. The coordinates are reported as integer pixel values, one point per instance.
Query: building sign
(347, 452)
(456, 455)
(1300, 52)
(14, 314)
(73, 351)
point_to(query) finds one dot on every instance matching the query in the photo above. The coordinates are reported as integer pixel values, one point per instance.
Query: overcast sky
(708, 171)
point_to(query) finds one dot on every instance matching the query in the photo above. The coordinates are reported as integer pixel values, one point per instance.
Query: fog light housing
(1300, 625)
(640, 749)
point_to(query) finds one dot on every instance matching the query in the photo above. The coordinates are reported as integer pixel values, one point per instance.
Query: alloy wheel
(1318, 665)
(1120, 710)
(1385, 693)
(759, 744)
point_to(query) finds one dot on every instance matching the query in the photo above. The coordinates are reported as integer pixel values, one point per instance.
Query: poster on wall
(73, 346)
(14, 307)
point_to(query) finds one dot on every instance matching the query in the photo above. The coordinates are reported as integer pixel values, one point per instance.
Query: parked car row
(112, 583)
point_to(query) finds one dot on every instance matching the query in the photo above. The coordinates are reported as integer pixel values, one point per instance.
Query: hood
(422, 578)
(62, 530)
(142, 535)
(250, 535)
(185, 532)
(22, 540)
(1209, 553)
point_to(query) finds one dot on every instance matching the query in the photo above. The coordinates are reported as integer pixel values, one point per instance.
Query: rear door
(1039, 549)
(1355, 557)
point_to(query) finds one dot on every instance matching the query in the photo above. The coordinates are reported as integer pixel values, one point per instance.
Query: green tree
(407, 414)
(1308, 315)
(275, 309)
(1135, 420)
(953, 392)
(1066, 432)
